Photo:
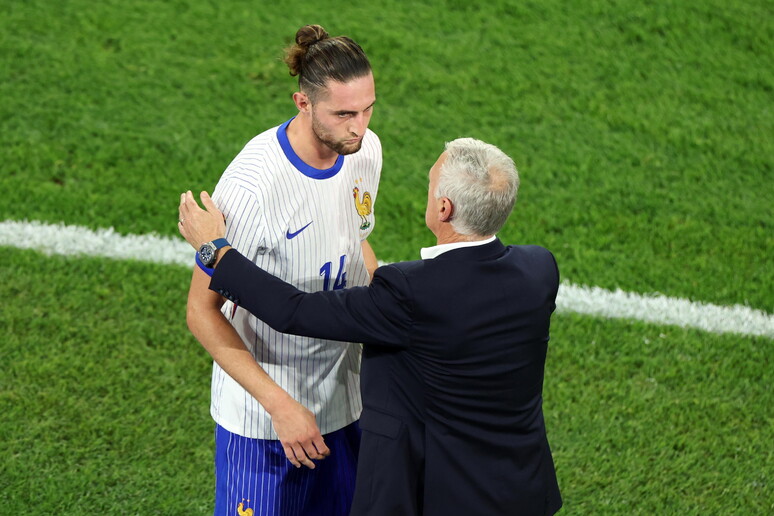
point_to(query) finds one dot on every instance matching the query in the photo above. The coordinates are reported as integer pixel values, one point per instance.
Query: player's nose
(359, 124)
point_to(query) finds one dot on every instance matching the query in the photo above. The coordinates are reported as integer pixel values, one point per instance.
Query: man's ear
(302, 102)
(446, 209)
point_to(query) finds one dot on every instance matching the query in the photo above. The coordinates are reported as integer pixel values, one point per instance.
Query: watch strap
(214, 245)
(207, 270)
(220, 242)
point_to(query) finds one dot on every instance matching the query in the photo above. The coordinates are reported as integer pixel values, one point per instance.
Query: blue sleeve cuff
(207, 270)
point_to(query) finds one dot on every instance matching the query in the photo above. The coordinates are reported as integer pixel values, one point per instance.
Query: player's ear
(302, 102)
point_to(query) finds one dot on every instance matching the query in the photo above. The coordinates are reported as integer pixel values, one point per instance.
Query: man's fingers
(298, 456)
(322, 449)
(302, 457)
(184, 208)
(312, 452)
(207, 202)
(190, 202)
(291, 456)
(181, 214)
(210, 206)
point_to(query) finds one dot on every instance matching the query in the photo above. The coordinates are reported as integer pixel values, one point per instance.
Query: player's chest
(322, 213)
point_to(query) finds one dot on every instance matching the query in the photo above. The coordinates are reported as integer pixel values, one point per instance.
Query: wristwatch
(207, 252)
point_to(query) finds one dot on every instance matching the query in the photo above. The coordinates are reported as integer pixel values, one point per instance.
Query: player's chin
(350, 148)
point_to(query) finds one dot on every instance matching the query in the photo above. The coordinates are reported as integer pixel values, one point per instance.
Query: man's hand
(196, 225)
(297, 431)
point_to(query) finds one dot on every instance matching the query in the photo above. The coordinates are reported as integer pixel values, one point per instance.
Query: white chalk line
(61, 239)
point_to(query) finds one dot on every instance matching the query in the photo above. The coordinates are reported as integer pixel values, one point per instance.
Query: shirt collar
(301, 166)
(428, 253)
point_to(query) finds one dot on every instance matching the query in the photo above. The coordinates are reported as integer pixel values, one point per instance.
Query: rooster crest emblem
(363, 207)
(242, 511)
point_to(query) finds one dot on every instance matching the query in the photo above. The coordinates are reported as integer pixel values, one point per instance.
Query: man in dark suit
(454, 348)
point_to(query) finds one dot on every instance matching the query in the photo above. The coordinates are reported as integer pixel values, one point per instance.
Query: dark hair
(317, 58)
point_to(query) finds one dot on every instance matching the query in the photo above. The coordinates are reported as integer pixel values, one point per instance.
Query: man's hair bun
(317, 58)
(308, 35)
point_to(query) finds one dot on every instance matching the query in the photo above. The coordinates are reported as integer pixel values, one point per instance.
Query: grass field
(642, 131)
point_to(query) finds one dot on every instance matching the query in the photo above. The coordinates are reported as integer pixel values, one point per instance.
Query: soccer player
(299, 203)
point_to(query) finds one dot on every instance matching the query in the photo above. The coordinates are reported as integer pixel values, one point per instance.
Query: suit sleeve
(377, 314)
(556, 280)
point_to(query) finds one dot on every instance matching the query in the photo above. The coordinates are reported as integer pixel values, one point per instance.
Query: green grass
(641, 130)
(103, 393)
(642, 133)
(104, 397)
(674, 421)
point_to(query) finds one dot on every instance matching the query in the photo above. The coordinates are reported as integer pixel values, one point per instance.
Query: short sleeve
(245, 223)
(371, 154)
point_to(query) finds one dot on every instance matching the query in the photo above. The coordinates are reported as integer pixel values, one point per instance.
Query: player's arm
(380, 315)
(295, 424)
(369, 256)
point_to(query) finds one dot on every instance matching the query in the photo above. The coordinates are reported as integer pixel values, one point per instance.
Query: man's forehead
(357, 94)
(436, 168)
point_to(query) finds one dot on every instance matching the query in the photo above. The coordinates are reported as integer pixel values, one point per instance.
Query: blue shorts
(254, 474)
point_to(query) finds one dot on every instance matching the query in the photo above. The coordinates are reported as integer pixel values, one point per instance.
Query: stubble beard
(339, 147)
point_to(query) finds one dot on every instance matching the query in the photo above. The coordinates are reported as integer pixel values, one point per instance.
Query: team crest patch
(242, 511)
(363, 206)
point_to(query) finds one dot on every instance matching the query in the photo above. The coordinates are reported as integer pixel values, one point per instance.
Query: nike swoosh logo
(290, 235)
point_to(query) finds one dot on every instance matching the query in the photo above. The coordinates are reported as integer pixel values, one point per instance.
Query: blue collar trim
(307, 170)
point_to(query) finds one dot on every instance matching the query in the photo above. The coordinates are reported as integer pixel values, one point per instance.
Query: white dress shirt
(428, 253)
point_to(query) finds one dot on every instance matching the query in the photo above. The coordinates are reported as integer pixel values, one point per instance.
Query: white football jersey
(305, 226)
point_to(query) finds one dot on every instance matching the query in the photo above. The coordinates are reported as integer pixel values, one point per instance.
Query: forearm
(369, 256)
(294, 424)
(223, 343)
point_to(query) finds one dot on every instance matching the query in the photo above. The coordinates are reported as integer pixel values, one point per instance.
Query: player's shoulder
(372, 138)
(372, 144)
(369, 157)
(260, 139)
(262, 148)
(254, 164)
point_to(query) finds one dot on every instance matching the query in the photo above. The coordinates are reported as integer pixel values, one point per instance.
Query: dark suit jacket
(452, 375)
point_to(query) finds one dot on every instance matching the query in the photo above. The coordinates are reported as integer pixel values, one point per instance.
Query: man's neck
(442, 247)
(452, 237)
(306, 145)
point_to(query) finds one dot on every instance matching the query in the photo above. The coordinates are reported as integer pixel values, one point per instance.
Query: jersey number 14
(341, 276)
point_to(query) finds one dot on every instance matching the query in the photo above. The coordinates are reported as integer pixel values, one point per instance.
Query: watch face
(206, 255)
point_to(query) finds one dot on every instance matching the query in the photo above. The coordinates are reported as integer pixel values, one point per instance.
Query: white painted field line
(78, 240)
(75, 240)
(662, 309)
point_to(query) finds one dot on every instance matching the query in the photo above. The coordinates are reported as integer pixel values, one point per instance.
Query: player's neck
(307, 146)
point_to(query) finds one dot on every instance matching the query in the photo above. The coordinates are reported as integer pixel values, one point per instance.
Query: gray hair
(482, 182)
